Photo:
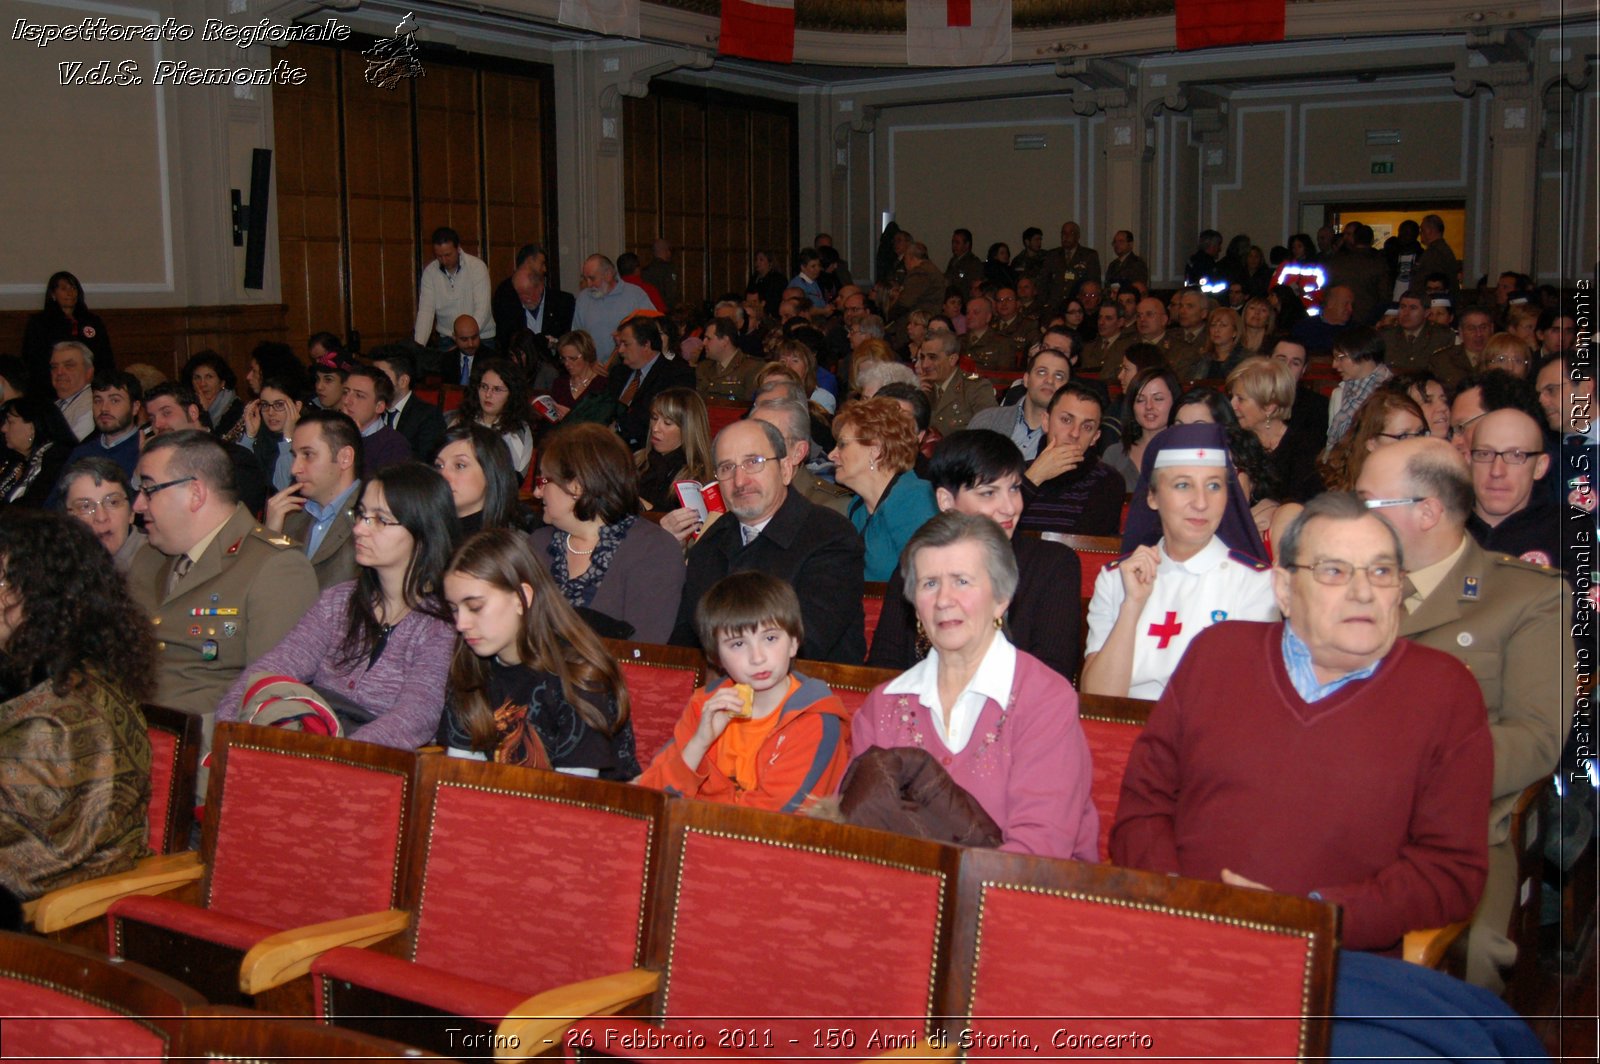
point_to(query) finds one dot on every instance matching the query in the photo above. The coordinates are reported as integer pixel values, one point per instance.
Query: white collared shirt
(993, 680)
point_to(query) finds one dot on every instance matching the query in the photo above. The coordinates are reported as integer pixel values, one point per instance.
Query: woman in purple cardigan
(383, 640)
(1002, 723)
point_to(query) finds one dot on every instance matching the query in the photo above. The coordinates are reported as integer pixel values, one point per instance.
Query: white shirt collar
(993, 680)
(1210, 556)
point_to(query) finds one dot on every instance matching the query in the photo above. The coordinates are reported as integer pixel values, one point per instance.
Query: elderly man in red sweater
(1346, 764)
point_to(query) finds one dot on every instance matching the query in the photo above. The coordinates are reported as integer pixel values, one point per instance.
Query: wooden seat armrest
(277, 959)
(84, 901)
(922, 1051)
(536, 1024)
(1429, 946)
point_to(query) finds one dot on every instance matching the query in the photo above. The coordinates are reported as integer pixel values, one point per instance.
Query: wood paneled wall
(713, 174)
(165, 337)
(366, 174)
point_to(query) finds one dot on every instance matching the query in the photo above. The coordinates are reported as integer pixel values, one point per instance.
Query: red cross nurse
(1194, 560)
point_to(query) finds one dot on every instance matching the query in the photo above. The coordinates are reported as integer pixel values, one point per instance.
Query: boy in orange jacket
(762, 736)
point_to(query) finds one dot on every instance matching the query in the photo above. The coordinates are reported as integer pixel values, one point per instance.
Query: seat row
(446, 903)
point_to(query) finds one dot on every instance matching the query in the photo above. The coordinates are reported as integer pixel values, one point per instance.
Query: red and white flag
(1213, 23)
(958, 32)
(616, 18)
(758, 29)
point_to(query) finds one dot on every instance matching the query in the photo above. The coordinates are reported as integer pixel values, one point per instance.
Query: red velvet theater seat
(1110, 725)
(872, 607)
(773, 936)
(852, 683)
(301, 831)
(660, 680)
(528, 880)
(174, 760)
(61, 1002)
(1129, 964)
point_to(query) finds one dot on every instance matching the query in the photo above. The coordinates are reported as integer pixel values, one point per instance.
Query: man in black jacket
(527, 301)
(422, 424)
(777, 531)
(646, 371)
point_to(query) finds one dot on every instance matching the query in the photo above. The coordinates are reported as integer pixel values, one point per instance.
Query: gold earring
(999, 624)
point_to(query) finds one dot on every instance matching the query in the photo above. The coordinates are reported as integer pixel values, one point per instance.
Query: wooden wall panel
(449, 155)
(384, 254)
(165, 337)
(727, 234)
(641, 194)
(715, 177)
(771, 210)
(514, 152)
(353, 239)
(683, 192)
(309, 205)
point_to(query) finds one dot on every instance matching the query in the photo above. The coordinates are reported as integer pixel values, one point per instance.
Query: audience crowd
(1336, 509)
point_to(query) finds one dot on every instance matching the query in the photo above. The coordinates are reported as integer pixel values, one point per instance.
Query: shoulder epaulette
(277, 540)
(1249, 561)
(1522, 563)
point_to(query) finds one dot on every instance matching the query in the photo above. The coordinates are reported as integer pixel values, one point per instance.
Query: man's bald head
(465, 334)
(529, 285)
(1424, 491)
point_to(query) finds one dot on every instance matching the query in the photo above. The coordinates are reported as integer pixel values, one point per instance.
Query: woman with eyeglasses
(98, 492)
(1358, 358)
(1509, 352)
(622, 573)
(580, 391)
(379, 646)
(269, 421)
(1388, 417)
(498, 398)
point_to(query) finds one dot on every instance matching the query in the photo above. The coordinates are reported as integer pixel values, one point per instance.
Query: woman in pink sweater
(1002, 723)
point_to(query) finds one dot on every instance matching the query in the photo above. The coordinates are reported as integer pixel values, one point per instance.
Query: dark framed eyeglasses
(1397, 436)
(149, 490)
(1516, 456)
(360, 515)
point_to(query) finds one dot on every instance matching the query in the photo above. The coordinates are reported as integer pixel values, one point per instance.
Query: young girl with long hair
(530, 683)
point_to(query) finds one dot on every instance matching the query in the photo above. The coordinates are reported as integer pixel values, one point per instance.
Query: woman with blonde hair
(530, 683)
(1261, 391)
(875, 456)
(580, 391)
(1259, 321)
(1509, 352)
(1223, 349)
(679, 448)
(798, 356)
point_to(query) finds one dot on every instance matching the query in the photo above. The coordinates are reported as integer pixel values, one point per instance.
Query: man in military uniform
(724, 372)
(1013, 324)
(1150, 327)
(1506, 620)
(1104, 355)
(964, 267)
(220, 589)
(955, 396)
(923, 288)
(987, 348)
(1416, 343)
(1029, 260)
(1067, 267)
(790, 416)
(314, 511)
(1189, 309)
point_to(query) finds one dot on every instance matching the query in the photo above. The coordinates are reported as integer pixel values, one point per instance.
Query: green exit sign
(1383, 166)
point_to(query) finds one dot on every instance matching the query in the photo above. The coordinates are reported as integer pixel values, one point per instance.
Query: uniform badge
(281, 541)
(194, 631)
(216, 598)
(1469, 587)
(231, 551)
(208, 650)
(230, 629)
(1464, 639)
(1217, 616)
